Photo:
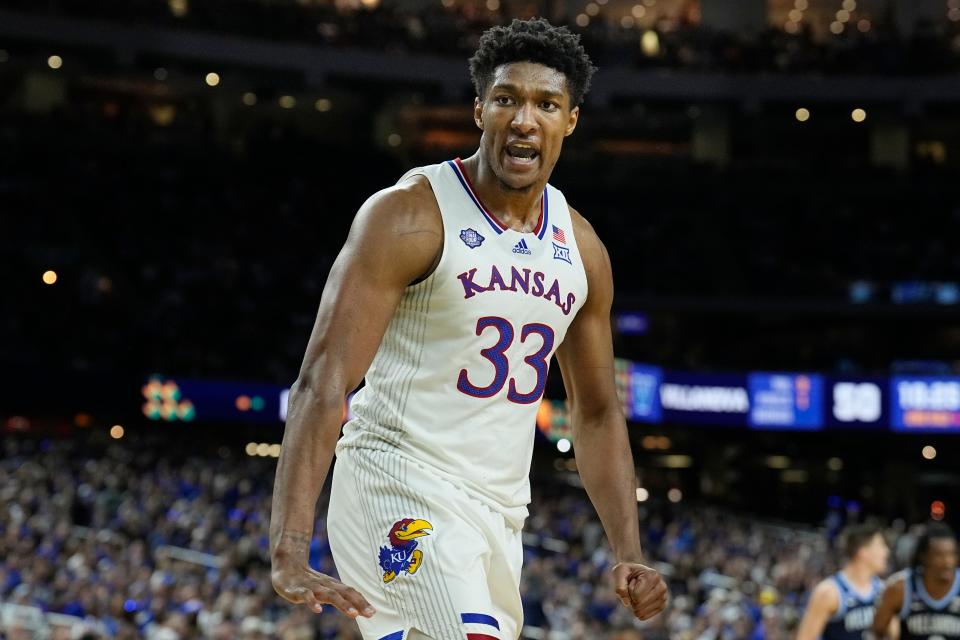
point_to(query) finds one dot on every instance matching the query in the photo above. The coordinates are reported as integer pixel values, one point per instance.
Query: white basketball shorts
(424, 553)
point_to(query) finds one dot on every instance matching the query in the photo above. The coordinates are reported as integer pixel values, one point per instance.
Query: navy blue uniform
(855, 612)
(922, 617)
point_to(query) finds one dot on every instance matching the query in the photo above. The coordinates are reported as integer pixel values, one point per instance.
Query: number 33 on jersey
(472, 345)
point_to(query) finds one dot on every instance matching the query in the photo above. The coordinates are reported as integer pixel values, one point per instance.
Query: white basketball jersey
(460, 373)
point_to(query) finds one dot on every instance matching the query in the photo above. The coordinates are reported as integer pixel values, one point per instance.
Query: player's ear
(572, 121)
(478, 112)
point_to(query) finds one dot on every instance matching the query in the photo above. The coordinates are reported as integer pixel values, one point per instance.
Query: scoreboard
(762, 400)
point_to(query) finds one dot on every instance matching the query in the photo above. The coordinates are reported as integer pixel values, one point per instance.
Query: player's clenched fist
(298, 583)
(640, 589)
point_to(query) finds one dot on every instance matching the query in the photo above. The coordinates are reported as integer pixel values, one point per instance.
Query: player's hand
(640, 589)
(299, 584)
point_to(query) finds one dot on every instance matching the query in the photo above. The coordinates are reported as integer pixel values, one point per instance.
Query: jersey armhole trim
(907, 594)
(841, 599)
(422, 171)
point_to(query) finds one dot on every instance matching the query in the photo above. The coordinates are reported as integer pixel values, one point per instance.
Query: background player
(926, 597)
(437, 445)
(842, 606)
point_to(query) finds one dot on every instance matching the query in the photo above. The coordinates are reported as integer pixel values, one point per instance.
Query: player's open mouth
(521, 154)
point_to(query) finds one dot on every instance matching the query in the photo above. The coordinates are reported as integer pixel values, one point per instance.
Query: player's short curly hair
(534, 40)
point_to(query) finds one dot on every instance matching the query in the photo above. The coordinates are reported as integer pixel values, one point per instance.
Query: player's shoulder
(827, 593)
(407, 206)
(897, 580)
(592, 250)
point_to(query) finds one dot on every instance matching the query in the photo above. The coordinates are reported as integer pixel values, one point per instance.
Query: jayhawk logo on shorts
(402, 554)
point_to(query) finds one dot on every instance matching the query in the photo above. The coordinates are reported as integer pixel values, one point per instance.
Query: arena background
(777, 186)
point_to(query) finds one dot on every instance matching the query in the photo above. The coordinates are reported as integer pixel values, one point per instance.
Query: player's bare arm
(394, 241)
(885, 620)
(824, 602)
(600, 431)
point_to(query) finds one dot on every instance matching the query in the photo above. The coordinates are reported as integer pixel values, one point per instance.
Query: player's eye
(549, 106)
(503, 100)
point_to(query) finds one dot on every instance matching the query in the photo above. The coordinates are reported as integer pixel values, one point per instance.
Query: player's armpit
(824, 602)
(890, 603)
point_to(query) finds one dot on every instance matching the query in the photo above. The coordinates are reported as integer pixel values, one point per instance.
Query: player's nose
(524, 120)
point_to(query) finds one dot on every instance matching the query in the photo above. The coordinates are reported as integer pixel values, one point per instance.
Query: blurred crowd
(613, 37)
(139, 539)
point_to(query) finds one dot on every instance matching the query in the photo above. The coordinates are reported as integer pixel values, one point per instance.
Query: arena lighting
(251, 448)
(937, 510)
(178, 8)
(638, 11)
(49, 277)
(116, 432)
(802, 5)
(263, 449)
(274, 451)
(592, 9)
(929, 452)
(160, 74)
(858, 115)
(836, 27)
(287, 102)
(650, 43)
(795, 15)
(493, 5)
(563, 445)
(242, 403)
(642, 494)
(627, 22)
(793, 476)
(802, 114)
(676, 462)
(777, 462)
(843, 15)
(835, 464)
(849, 5)
(863, 25)
(582, 20)
(394, 140)
(249, 99)
(54, 62)
(792, 27)
(323, 105)
(674, 495)
(212, 79)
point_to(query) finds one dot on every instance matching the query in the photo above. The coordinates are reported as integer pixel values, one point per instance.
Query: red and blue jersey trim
(492, 220)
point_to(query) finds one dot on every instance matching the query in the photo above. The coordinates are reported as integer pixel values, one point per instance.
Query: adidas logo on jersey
(521, 247)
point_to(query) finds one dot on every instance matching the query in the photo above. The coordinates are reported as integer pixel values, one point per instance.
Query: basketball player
(926, 597)
(842, 606)
(452, 293)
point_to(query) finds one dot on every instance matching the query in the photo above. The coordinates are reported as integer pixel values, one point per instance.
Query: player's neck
(516, 208)
(936, 587)
(859, 575)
